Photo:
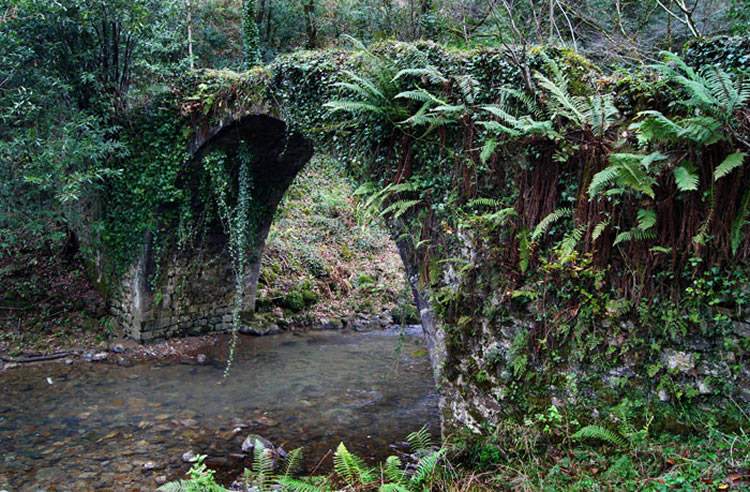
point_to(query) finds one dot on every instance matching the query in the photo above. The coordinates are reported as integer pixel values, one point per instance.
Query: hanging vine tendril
(236, 223)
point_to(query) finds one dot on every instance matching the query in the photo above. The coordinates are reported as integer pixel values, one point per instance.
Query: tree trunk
(310, 25)
(190, 33)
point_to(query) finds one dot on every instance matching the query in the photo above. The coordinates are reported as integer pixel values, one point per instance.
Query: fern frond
(420, 440)
(500, 113)
(547, 222)
(420, 95)
(449, 108)
(499, 129)
(484, 202)
(262, 467)
(289, 484)
(399, 208)
(176, 486)
(366, 85)
(427, 468)
(568, 243)
(355, 88)
(564, 104)
(686, 178)
(602, 179)
(353, 107)
(646, 219)
(292, 462)
(528, 101)
(730, 163)
(502, 215)
(488, 149)
(599, 433)
(431, 73)
(599, 229)
(350, 467)
(635, 234)
(393, 472)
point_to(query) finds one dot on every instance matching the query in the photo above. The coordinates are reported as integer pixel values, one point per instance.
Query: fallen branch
(36, 358)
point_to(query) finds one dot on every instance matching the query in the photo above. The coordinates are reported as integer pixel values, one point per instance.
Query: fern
(484, 202)
(628, 171)
(713, 99)
(599, 229)
(643, 231)
(419, 95)
(730, 163)
(427, 467)
(397, 209)
(289, 484)
(393, 472)
(602, 179)
(262, 469)
(176, 486)
(488, 149)
(548, 221)
(350, 467)
(431, 73)
(646, 219)
(568, 243)
(292, 462)
(634, 234)
(599, 433)
(686, 178)
(420, 440)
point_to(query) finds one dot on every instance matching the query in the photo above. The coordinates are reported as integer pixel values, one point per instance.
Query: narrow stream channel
(97, 424)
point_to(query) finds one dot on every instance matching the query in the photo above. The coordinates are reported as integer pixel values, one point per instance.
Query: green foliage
(627, 172)
(729, 164)
(420, 440)
(543, 226)
(201, 479)
(599, 433)
(686, 178)
(350, 467)
(375, 91)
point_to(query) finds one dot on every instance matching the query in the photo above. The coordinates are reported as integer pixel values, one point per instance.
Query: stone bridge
(485, 326)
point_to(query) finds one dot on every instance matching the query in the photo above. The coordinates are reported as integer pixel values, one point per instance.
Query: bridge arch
(195, 290)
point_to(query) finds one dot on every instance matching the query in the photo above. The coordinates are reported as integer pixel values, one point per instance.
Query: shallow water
(97, 424)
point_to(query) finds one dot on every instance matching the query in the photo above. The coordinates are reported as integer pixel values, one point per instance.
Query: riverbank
(531, 457)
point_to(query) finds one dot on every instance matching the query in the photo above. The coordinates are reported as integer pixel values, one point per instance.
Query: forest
(392, 245)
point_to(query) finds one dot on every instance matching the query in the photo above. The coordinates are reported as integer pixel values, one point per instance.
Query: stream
(99, 426)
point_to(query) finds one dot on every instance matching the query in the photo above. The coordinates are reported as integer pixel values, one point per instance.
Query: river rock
(118, 348)
(331, 324)
(99, 357)
(253, 440)
(201, 359)
(160, 480)
(260, 330)
(189, 457)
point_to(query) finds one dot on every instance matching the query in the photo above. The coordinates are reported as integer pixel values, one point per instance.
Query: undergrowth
(542, 454)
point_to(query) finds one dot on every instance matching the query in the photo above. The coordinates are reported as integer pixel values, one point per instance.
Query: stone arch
(196, 287)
